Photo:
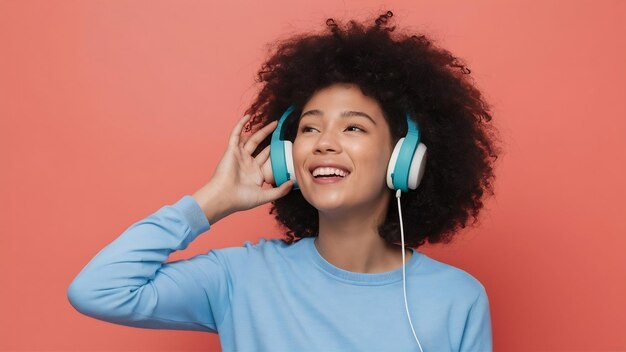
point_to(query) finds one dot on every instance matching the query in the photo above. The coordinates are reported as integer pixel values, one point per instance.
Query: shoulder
(249, 248)
(449, 280)
(254, 260)
(257, 253)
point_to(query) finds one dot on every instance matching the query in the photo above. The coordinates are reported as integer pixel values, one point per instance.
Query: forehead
(343, 100)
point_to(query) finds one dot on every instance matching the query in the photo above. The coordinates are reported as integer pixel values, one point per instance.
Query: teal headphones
(405, 170)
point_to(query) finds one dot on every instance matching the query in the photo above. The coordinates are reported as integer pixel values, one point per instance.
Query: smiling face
(342, 127)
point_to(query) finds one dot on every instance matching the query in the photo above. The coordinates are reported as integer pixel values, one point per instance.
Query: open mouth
(329, 175)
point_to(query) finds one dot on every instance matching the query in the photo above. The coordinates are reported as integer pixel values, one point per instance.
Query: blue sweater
(272, 296)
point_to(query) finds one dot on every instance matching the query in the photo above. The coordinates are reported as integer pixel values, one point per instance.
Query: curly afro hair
(403, 72)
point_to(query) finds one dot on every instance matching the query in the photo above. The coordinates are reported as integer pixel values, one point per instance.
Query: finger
(277, 192)
(236, 132)
(259, 136)
(266, 168)
(245, 138)
(262, 157)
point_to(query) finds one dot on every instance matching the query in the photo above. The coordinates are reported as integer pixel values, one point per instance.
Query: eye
(306, 128)
(354, 126)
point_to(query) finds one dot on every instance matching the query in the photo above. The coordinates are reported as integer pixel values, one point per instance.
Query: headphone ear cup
(416, 169)
(392, 162)
(289, 163)
(418, 165)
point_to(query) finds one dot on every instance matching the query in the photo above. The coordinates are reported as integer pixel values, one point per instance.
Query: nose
(327, 143)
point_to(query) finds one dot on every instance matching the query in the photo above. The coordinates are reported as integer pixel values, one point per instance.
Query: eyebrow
(316, 112)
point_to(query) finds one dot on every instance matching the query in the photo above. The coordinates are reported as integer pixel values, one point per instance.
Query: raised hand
(237, 183)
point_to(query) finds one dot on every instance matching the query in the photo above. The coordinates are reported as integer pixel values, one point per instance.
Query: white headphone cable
(406, 305)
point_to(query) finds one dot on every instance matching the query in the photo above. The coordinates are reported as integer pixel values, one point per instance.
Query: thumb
(278, 192)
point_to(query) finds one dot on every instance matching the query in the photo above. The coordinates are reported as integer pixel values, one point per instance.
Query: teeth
(329, 171)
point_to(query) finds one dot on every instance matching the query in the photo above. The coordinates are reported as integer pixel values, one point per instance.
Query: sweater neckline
(387, 277)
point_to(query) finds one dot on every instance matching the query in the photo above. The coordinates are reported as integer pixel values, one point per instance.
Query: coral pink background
(111, 109)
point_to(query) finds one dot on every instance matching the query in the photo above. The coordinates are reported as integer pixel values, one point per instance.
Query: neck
(350, 240)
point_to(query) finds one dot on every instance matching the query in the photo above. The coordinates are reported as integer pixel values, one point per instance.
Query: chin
(328, 206)
(324, 202)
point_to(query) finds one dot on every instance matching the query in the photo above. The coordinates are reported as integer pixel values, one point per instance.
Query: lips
(321, 179)
(330, 165)
(329, 172)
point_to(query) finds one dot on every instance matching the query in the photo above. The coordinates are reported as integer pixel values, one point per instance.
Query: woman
(342, 279)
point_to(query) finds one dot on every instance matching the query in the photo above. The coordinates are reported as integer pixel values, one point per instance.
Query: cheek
(298, 151)
(370, 160)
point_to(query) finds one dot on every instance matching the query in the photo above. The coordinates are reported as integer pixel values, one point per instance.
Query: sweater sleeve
(128, 282)
(477, 332)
